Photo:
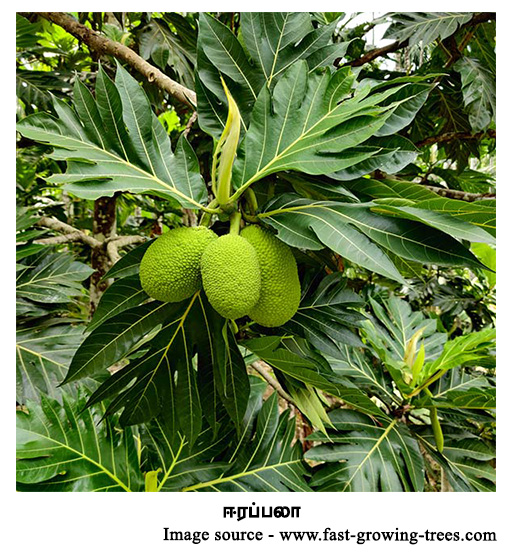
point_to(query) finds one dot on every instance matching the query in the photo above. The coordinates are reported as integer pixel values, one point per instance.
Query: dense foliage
(374, 165)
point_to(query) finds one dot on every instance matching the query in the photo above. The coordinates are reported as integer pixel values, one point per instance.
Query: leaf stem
(251, 201)
(208, 212)
(235, 219)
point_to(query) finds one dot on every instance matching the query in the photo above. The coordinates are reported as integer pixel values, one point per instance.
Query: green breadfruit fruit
(280, 292)
(231, 276)
(170, 268)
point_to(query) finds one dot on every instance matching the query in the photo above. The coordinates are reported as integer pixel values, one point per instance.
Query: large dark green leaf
(25, 234)
(43, 354)
(389, 189)
(114, 142)
(36, 87)
(358, 234)
(165, 48)
(272, 41)
(458, 381)
(468, 180)
(300, 368)
(390, 154)
(327, 315)
(311, 124)
(112, 340)
(449, 224)
(185, 367)
(128, 265)
(262, 457)
(183, 464)
(61, 447)
(275, 40)
(481, 213)
(395, 324)
(51, 278)
(267, 459)
(473, 398)
(478, 88)
(124, 293)
(410, 194)
(360, 454)
(26, 32)
(366, 374)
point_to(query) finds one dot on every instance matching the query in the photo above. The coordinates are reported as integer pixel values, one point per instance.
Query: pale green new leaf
(471, 348)
(466, 460)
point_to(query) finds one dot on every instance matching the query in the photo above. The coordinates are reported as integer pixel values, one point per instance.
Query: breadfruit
(170, 268)
(280, 291)
(231, 276)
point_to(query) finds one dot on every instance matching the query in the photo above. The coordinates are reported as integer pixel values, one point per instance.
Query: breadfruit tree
(255, 252)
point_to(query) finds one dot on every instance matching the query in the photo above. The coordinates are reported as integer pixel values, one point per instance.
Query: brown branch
(190, 124)
(374, 53)
(460, 195)
(480, 17)
(64, 239)
(115, 243)
(455, 51)
(455, 136)
(264, 370)
(70, 233)
(105, 46)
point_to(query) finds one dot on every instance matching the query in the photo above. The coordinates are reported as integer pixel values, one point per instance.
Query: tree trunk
(104, 226)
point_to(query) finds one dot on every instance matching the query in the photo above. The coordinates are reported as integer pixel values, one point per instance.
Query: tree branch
(71, 234)
(479, 17)
(460, 195)
(190, 124)
(454, 136)
(375, 53)
(264, 370)
(103, 45)
(115, 243)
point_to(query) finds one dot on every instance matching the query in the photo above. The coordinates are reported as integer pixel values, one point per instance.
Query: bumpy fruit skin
(280, 292)
(231, 276)
(170, 268)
